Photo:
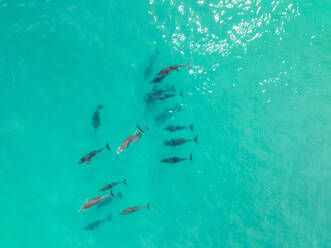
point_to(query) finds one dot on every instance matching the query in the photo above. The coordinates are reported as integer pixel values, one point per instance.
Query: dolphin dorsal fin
(86, 200)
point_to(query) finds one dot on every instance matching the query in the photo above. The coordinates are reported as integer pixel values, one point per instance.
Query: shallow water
(258, 93)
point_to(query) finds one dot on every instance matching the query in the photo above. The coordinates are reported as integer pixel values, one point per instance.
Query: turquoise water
(258, 93)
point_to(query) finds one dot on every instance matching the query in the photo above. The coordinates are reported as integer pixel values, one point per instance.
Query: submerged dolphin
(90, 203)
(87, 158)
(178, 142)
(160, 94)
(151, 61)
(95, 224)
(134, 209)
(161, 97)
(96, 117)
(166, 114)
(173, 128)
(176, 159)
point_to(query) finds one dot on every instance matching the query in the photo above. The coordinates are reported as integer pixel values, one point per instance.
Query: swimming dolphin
(95, 224)
(90, 203)
(151, 61)
(160, 94)
(161, 97)
(154, 92)
(138, 136)
(96, 117)
(126, 143)
(87, 158)
(164, 72)
(134, 209)
(175, 159)
(159, 77)
(173, 128)
(177, 142)
(166, 114)
(111, 185)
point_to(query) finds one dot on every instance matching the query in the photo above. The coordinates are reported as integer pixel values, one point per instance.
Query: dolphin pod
(159, 95)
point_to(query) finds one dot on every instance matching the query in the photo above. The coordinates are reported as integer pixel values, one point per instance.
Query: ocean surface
(257, 91)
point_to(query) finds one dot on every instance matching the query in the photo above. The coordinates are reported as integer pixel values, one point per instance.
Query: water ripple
(238, 23)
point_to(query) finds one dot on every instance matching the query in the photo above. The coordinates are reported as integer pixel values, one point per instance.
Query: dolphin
(166, 114)
(111, 185)
(96, 117)
(134, 209)
(175, 159)
(173, 128)
(87, 158)
(178, 142)
(138, 136)
(156, 91)
(160, 94)
(126, 143)
(165, 72)
(151, 61)
(161, 97)
(90, 203)
(95, 224)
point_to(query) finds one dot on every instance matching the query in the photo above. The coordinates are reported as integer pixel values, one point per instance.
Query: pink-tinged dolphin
(92, 202)
(138, 136)
(126, 143)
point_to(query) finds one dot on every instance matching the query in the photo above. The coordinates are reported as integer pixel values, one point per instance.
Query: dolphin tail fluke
(140, 129)
(107, 146)
(196, 139)
(192, 127)
(188, 65)
(191, 157)
(100, 106)
(124, 181)
(147, 206)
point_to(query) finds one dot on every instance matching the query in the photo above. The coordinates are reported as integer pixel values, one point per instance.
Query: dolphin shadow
(108, 200)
